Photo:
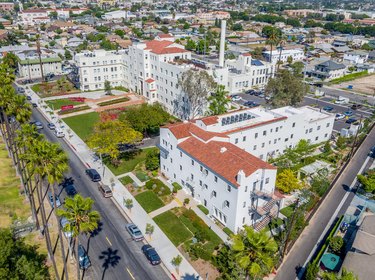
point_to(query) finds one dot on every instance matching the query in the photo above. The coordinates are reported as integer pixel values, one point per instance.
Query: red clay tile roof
(183, 130)
(149, 80)
(246, 54)
(226, 164)
(162, 47)
(165, 35)
(209, 120)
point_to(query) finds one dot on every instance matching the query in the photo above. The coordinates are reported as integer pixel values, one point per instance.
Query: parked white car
(59, 133)
(339, 116)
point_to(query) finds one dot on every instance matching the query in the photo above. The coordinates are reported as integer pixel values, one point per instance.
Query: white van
(342, 100)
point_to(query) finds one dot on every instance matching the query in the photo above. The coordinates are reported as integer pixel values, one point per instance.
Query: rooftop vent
(223, 150)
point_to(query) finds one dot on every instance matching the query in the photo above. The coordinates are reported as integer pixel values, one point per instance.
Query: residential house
(328, 70)
(356, 57)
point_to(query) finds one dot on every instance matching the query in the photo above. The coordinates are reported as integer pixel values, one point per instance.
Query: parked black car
(151, 254)
(84, 261)
(94, 175)
(70, 190)
(356, 106)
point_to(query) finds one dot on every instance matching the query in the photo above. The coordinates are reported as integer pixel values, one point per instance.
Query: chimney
(240, 176)
(222, 42)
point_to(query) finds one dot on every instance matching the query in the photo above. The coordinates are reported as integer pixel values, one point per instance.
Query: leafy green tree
(81, 219)
(218, 101)
(107, 87)
(68, 55)
(186, 26)
(11, 60)
(341, 142)
(297, 68)
(312, 271)
(286, 89)
(145, 118)
(237, 27)
(254, 252)
(203, 47)
(149, 229)
(107, 136)
(289, 60)
(18, 260)
(257, 53)
(128, 203)
(152, 160)
(368, 180)
(196, 85)
(120, 33)
(176, 262)
(190, 45)
(287, 182)
(164, 29)
(319, 185)
(336, 243)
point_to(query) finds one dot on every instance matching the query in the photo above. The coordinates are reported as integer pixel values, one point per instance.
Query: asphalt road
(336, 199)
(112, 252)
(351, 95)
(318, 103)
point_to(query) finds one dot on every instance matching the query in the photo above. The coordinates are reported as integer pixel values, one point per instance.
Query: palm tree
(81, 219)
(272, 40)
(55, 165)
(254, 252)
(26, 136)
(282, 42)
(39, 163)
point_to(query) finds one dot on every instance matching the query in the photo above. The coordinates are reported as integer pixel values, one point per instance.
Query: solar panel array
(236, 118)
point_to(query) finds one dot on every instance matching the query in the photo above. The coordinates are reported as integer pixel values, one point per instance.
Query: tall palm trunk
(77, 257)
(279, 61)
(60, 233)
(47, 236)
(271, 59)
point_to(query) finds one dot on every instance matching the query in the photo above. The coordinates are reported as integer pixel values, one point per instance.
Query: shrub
(336, 243)
(73, 110)
(113, 101)
(312, 271)
(141, 176)
(176, 187)
(186, 201)
(152, 160)
(126, 180)
(155, 173)
(203, 209)
(228, 231)
(198, 251)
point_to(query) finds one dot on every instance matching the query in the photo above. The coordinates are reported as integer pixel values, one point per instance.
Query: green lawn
(173, 227)
(129, 161)
(12, 203)
(126, 180)
(57, 103)
(287, 211)
(349, 77)
(83, 124)
(149, 201)
(203, 209)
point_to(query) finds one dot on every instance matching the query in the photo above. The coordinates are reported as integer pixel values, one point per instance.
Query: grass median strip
(83, 124)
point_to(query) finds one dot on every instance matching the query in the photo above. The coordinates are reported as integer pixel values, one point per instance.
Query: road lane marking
(108, 241)
(131, 275)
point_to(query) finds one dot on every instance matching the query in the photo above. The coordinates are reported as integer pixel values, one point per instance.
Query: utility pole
(355, 137)
(287, 237)
(40, 56)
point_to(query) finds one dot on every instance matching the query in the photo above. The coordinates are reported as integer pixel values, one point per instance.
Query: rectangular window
(236, 141)
(291, 136)
(180, 167)
(245, 188)
(205, 186)
(200, 183)
(263, 144)
(229, 188)
(267, 180)
(316, 138)
(256, 135)
(255, 147)
(310, 130)
(277, 129)
(264, 133)
(318, 127)
(213, 193)
(215, 179)
(192, 162)
(328, 124)
(244, 204)
(180, 154)
(243, 220)
(294, 124)
(226, 203)
(254, 186)
(192, 176)
(244, 138)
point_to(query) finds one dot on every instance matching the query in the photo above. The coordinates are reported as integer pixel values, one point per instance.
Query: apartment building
(94, 68)
(219, 160)
(29, 63)
(6, 6)
(33, 17)
(248, 73)
(295, 54)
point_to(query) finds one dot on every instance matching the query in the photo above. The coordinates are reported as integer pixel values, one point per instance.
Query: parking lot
(320, 103)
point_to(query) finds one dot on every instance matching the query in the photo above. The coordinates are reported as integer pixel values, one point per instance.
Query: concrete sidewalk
(136, 214)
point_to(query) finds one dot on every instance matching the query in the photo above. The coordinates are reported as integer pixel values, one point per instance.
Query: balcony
(163, 151)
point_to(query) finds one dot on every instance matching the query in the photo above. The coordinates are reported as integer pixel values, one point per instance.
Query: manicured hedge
(113, 101)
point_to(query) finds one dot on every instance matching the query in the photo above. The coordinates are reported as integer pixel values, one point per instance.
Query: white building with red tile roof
(219, 160)
(33, 17)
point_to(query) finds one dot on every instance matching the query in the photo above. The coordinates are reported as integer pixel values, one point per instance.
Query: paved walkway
(137, 215)
(165, 208)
